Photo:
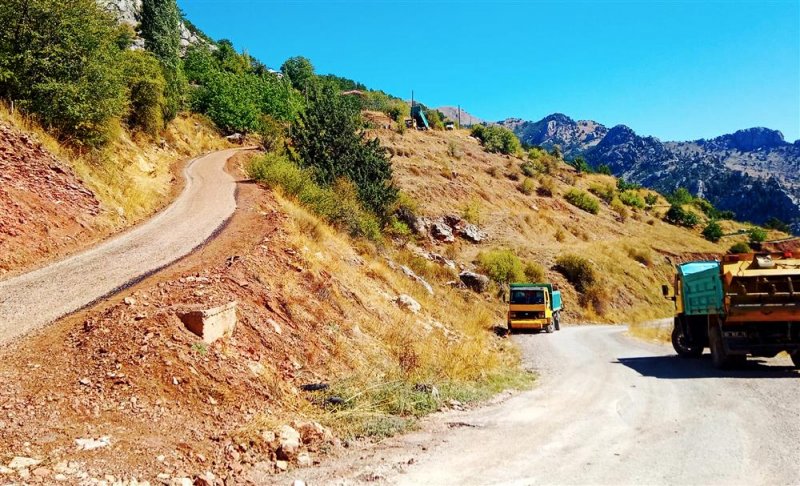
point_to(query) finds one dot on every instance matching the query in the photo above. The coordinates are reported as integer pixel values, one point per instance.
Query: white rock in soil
(91, 444)
(409, 303)
(289, 441)
(23, 462)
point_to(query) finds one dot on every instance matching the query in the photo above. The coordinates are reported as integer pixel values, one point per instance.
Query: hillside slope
(449, 173)
(756, 161)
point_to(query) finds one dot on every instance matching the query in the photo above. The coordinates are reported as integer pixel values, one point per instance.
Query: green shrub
(532, 168)
(632, 198)
(497, 139)
(623, 186)
(502, 266)
(527, 186)
(757, 235)
(578, 271)
(603, 191)
(338, 205)
(680, 217)
(582, 200)
(651, 199)
(472, 212)
(713, 231)
(740, 247)
(604, 169)
(581, 165)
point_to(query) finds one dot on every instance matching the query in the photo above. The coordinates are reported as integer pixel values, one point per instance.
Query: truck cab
(535, 307)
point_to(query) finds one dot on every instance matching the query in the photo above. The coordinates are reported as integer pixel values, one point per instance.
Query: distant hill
(753, 172)
(467, 120)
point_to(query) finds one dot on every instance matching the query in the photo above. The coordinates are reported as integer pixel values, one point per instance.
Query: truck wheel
(683, 347)
(509, 329)
(719, 357)
(550, 328)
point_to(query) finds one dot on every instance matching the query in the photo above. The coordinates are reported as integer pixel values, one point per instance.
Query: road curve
(37, 298)
(608, 409)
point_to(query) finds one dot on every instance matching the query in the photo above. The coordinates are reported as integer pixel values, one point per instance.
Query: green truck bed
(701, 288)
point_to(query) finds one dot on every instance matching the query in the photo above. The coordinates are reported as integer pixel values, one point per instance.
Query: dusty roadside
(608, 409)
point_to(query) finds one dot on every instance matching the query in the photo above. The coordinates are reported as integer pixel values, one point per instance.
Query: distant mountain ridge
(753, 172)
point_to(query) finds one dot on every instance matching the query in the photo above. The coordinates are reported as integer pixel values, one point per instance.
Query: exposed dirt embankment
(44, 207)
(160, 404)
(55, 200)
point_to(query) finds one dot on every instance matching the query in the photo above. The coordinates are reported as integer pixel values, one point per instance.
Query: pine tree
(161, 30)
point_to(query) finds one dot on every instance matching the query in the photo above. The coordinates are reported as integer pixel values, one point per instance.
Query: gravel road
(608, 409)
(37, 298)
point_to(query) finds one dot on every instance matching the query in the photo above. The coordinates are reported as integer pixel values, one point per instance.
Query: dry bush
(606, 192)
(622, 211)
(547, 187)
(579, 271)
(472, 212)
(534, 272)
(560, 235)
(527, 186)
(641, 255)
(596, 296)
(492, 171)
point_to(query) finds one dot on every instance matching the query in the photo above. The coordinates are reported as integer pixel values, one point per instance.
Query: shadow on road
(676, 368)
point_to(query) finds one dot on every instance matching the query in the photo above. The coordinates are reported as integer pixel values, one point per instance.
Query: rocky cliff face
(572, 136)
(127, 12)
(753, 172)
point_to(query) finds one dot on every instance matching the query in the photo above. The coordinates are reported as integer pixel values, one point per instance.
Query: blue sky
(676, 69)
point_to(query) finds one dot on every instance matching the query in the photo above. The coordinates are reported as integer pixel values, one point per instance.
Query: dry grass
(387, 360)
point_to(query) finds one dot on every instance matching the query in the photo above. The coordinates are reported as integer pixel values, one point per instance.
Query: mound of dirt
(43, 205)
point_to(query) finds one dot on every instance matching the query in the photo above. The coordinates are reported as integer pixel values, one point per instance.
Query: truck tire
(721, 359)
(550, 328)
(509, 329)
(681, 344)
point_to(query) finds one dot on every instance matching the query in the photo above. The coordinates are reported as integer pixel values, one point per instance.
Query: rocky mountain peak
(751, 139)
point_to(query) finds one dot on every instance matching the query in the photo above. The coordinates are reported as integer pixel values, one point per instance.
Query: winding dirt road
(37, 298)
(608, 409)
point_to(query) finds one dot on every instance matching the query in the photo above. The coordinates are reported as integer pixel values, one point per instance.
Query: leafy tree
(145, 92)
(680, 217)
(300, 72)
(604, 169)
(435, 118)
(712, 232)
(60, 61)
(623, 185)
(329, 137)
(160, 28)
(680, 196)
(581, 165)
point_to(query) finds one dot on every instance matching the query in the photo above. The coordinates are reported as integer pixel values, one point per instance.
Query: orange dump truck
(744, 305)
